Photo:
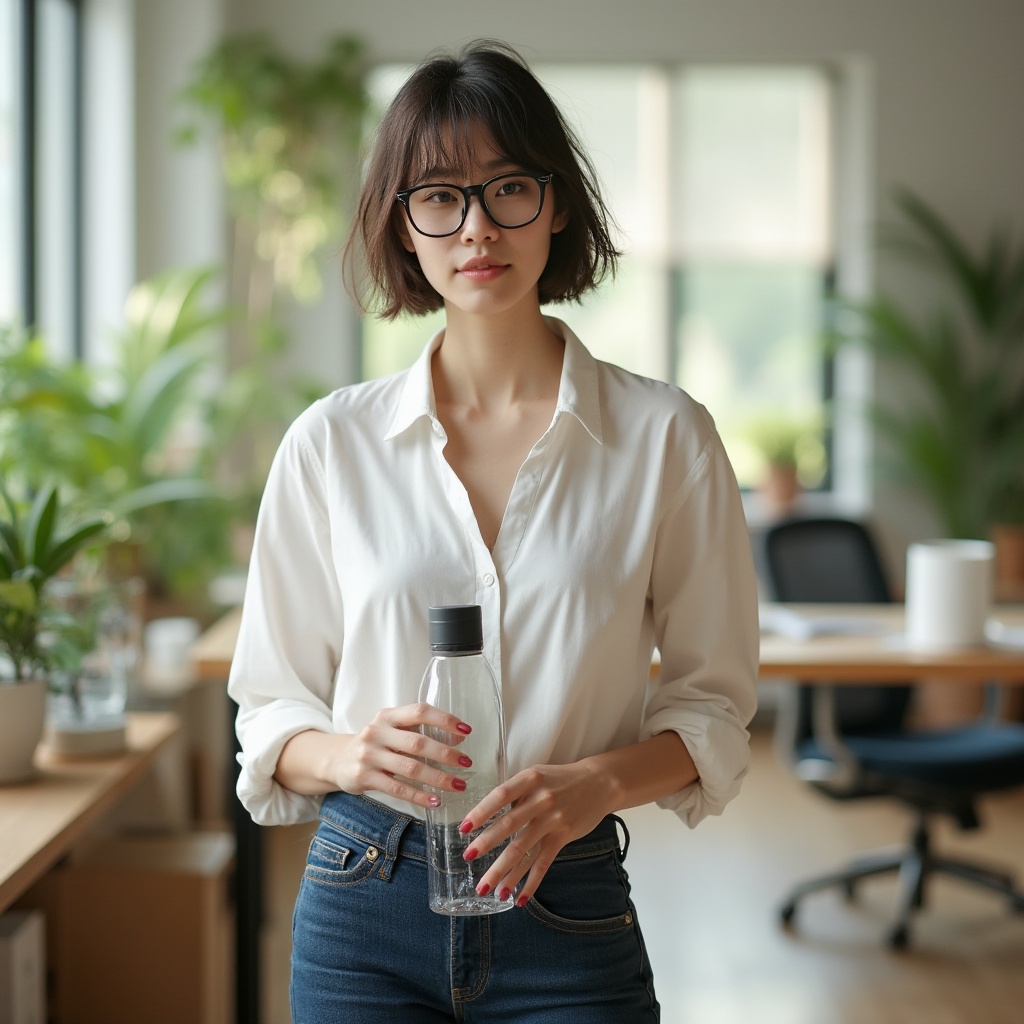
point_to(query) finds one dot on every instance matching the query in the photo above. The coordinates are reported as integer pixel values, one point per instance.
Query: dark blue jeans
(366, 948)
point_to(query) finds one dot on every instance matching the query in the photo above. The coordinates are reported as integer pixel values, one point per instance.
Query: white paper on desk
(1000, 634)
(799, 626)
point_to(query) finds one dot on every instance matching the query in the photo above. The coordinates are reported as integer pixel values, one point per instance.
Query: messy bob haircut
(430, 124)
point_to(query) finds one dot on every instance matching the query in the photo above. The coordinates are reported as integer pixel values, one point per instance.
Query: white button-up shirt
(624, 532)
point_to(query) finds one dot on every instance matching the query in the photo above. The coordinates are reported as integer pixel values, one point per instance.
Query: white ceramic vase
(22, 717)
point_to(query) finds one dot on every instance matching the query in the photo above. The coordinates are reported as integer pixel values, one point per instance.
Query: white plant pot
(22, 716)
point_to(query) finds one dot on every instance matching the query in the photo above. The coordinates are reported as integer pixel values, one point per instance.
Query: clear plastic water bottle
(458, 679)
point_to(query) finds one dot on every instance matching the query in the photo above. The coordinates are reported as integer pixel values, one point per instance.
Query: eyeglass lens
(511, 201)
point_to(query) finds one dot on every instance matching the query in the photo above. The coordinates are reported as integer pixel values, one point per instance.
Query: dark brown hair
(430, 124)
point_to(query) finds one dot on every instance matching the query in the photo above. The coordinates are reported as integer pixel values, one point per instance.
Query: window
(10, 197)
(722, 186)
(40, 168)
(58, 176)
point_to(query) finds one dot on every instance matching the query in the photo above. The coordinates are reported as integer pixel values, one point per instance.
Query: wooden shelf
(41, 820)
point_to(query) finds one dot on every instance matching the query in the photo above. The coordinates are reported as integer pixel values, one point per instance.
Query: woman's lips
(482, 270)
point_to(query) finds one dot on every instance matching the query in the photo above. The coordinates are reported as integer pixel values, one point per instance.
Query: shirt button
(488, 579)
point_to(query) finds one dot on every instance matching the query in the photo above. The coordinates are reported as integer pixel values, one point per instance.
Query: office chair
(853, 742)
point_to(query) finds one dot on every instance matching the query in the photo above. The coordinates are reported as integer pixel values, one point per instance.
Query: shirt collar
(417, 397)
(578, 392)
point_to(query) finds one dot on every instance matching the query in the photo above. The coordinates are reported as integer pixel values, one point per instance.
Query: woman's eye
(439, 195)
(510, 188)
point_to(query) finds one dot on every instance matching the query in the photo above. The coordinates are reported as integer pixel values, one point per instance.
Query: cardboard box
(142, 930)
(22, 968)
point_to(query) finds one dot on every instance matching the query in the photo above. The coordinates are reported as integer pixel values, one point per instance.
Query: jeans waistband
(394, 832)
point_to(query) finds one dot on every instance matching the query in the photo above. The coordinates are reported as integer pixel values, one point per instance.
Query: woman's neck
(490, 362)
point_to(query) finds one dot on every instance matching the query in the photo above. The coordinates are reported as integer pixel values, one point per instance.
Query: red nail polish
(464, 729)
(459, 784)
(434, 801)
(466, 827)
(504, 894)
(466, 762)
(470, 854)
(522, 901)
(483, 889)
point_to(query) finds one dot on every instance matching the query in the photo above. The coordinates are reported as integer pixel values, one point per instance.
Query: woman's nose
(478, 225)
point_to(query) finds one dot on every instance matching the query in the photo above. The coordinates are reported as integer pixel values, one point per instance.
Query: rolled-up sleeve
(291, 634)
(704, 601)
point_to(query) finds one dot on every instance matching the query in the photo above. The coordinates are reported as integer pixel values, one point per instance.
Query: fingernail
(459, 784)
(483, 889)
(466, 762)
(466, 826)
(470, 854)
(504, 894)
(522, 901)
(434, 801)
(464, 729)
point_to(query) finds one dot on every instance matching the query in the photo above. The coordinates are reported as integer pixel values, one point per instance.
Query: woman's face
(483, 269)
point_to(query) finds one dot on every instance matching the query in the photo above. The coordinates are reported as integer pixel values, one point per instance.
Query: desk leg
(248, 898)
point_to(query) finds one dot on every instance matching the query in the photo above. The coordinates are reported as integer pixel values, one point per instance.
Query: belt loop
(391, 847)
(623, 846)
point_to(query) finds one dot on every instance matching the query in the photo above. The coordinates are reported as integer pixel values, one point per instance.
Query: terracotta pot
(22, 716)
(780, 488)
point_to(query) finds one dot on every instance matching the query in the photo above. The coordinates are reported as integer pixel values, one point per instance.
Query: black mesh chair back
(834, 561)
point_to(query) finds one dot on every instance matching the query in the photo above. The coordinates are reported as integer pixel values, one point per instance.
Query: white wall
(947, 79)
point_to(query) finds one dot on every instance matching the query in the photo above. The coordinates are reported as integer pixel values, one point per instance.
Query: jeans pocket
(584, 895)
(339, 857)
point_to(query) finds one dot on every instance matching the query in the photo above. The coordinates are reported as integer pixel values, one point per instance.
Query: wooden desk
(881, 656)
(861, 657)
(211, 654)
(41, 820)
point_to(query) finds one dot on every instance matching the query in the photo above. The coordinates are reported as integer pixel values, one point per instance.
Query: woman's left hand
(551, 805)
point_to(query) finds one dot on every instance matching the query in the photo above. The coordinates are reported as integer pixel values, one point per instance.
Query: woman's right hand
(390, 754)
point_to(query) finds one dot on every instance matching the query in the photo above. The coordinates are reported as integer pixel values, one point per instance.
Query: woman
(591, 513)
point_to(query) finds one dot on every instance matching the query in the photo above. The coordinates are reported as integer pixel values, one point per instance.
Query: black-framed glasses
(439, 208)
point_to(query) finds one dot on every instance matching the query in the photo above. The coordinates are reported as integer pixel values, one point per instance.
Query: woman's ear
(560, 219)
(404, 235)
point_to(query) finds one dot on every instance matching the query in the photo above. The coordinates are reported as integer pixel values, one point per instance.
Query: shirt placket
(489, 567)
(487, 588)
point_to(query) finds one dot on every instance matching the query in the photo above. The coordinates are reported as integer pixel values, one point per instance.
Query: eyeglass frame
(468, 191)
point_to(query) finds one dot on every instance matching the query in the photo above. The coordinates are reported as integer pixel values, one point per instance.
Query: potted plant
(958, 436)
(36, 544)
(135, 436)
(792, 457)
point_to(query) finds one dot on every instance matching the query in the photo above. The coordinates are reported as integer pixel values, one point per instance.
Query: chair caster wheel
(899, 937)
(786, 913)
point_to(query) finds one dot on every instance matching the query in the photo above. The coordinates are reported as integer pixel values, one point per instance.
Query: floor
(707, 901)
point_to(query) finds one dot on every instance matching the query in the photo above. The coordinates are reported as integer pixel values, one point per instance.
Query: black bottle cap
(456, 628)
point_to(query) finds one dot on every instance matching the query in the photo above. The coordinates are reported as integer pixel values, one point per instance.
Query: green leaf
(19, 595)
(159, 396)
(40, 523)
(64, 550)
(163, 492)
